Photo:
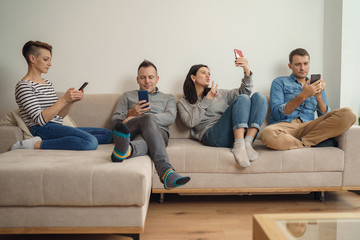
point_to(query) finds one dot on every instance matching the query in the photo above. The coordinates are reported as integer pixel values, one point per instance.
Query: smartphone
(314, 78)
(238, 53)
(83, 86)
(143, 95)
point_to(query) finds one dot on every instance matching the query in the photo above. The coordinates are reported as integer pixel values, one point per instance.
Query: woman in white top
(43, 111)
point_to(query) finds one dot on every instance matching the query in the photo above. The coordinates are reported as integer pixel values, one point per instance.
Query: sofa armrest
(349, 142)
(8, 136)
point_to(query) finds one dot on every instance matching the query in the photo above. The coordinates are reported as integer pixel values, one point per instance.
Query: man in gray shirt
(142, 127)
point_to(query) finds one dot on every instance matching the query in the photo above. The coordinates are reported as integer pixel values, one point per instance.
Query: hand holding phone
(83, 86)
(143, 95)
(314, 78)
(238, 53)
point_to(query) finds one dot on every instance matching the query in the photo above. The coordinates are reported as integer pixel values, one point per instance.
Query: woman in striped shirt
(43, 111)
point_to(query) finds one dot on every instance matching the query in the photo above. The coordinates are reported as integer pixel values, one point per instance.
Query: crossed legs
(285, 136)
(147, 138)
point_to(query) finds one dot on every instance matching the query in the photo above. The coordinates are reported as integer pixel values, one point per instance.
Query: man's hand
(320, 86)
(314, 89)
(139, 108)
(309, 90)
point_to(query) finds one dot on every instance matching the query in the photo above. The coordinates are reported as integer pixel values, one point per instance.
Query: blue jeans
(243, 112)
(60, 137)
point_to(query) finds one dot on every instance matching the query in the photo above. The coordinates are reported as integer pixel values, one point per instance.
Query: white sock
(240, 154)
(252, 154)
(26, 144)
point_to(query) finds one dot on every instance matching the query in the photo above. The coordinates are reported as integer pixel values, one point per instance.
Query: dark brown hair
(298, 51)
(189, 86)
(32, 48)
(146, 64)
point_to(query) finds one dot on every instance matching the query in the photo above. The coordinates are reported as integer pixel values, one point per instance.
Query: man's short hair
(146, 64)
(298, 51)
(32, 48)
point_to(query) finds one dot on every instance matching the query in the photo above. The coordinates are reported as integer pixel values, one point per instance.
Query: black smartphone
(143, 95)
(83, 86)
(314, 78)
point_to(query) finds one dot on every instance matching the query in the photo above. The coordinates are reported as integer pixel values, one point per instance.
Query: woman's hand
(73, 95)
(243, 62)
(213, 92)
(63, 105)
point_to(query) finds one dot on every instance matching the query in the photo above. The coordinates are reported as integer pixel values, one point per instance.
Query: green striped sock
(122, 148)
(172, 179)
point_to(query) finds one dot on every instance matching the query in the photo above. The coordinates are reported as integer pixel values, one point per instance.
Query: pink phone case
(238, 53)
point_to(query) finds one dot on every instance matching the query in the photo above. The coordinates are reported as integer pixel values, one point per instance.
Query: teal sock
(122, 148)
(172, 179)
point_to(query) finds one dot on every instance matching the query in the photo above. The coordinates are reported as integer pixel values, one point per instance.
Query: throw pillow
(14, 118)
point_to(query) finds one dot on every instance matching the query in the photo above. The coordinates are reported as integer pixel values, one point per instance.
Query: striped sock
(172, 179)
(122, 148)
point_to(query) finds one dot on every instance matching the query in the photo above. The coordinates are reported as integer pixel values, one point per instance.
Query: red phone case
(238, 53)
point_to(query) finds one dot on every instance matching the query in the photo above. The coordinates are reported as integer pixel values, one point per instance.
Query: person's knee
(242, 98)
(90, 143)
(267, 135)
(348, 114)
(260, 101)
(147, 118)
(260, 98)
(270, 136)
(148, 121)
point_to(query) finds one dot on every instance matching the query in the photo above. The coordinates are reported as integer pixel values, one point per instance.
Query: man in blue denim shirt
(293, 102)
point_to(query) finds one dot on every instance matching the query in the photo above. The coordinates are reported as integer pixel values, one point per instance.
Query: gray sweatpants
(148, 138)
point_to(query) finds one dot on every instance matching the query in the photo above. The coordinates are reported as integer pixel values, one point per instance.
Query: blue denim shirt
(283, 90)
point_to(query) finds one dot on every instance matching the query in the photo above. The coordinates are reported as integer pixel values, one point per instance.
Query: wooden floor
(216, 217)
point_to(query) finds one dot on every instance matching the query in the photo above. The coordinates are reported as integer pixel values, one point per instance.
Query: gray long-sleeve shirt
(203, 114)
(163, 108)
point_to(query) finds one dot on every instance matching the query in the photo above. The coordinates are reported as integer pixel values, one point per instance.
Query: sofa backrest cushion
(95, 110)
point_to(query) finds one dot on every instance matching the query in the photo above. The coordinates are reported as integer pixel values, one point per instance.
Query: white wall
(332, 50)
(103, 41)
(350, 70)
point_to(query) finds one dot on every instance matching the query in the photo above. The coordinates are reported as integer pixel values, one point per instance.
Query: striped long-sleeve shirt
(33, 98)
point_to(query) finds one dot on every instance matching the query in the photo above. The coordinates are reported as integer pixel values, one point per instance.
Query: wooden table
(289, 226)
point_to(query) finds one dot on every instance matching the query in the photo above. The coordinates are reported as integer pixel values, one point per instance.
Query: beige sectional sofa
(84, 192)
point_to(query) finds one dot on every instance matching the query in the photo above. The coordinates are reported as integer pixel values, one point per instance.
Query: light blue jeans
(60, 137)
(243, 112)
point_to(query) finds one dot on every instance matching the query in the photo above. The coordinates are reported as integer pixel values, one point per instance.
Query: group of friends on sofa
(217, 117)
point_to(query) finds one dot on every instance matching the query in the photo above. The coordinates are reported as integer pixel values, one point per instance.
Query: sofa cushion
(73, 178)
(13, 118)
(190, 156)
(94, 110)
